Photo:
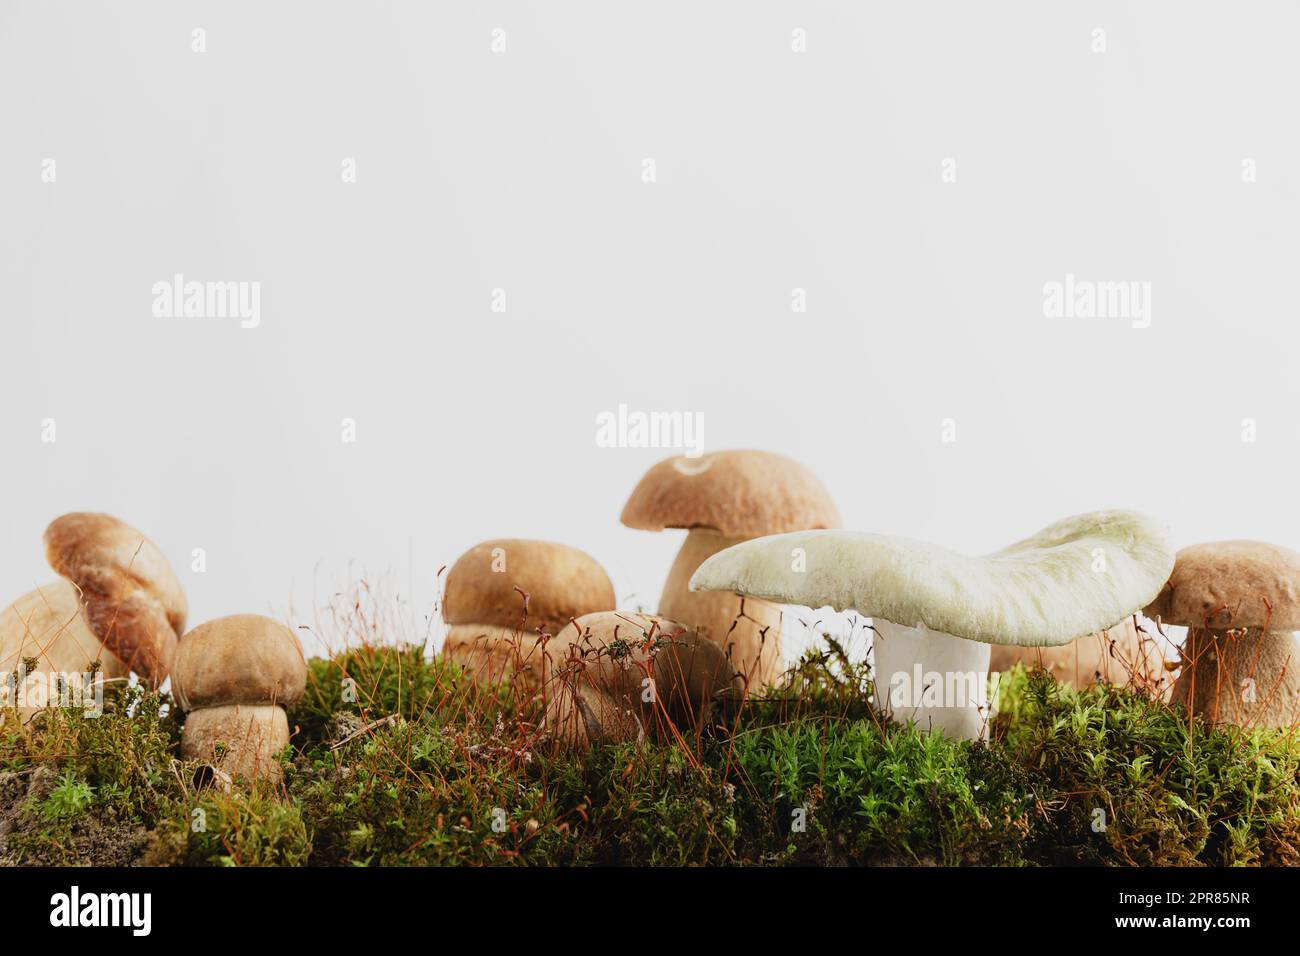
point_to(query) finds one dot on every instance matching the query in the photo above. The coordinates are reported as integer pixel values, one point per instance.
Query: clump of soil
(89, 840)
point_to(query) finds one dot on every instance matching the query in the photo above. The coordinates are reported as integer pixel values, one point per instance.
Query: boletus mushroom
(619, 675)
(722, 499)
(504, 598)
(233, 677)
(936, 612)
(117, 608)
(1240, 603)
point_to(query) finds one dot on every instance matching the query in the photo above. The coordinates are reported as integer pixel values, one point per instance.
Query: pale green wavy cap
(1044, 590)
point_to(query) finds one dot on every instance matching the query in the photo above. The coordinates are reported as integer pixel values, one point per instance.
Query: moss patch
(400, 761)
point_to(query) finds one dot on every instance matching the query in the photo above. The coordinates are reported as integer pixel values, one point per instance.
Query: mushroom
(936, 612)
(117, 608)
(1120, 655)
(233, 676)
(503, 595)
(1240, 603)
(722, 499)
(617, 673)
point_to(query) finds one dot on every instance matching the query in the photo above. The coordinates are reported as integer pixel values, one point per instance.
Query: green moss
(69, 799)
(1138, 783)
(400, 761)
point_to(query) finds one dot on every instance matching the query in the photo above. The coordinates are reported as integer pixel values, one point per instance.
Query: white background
(522, 170)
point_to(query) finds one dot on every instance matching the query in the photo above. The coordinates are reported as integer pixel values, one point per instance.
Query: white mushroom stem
(934, 679)
(754, 637)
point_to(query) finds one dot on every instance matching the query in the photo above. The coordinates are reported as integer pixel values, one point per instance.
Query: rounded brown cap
(241, 659)
(736, 493)
(132, 599)
(1224, 585)
(560, 582)
(602, 662)
(687, 665)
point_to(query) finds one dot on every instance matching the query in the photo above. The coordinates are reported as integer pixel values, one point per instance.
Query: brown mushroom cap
(561, 583)
(241, 659)
(736, 493)
(602, 660)
(687, 666)
(1224, 585)
(132, 599)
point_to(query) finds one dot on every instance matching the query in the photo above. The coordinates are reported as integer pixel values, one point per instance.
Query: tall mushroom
(233, 676)
(117, 608)
(619, 673)
(936, 612)
(1240, 603)
(501, 596)
(722, 499)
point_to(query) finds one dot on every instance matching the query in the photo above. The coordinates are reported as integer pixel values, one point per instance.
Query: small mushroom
(501, 596)
(232, 677)
(619, 673)
(1240, 603)
(722, 499)
(1120, 655)
(118, 606)
(936, 612)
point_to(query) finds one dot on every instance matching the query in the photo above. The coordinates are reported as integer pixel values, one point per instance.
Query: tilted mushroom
(233, 676)
(722, 499)
(936, 612)
(1121, 655)
(118, 607)
(1240, 603)
(501, 596)
(619, 673)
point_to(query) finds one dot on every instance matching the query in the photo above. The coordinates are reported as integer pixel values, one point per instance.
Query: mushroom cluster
(116, 609)
(721, 499)
(505, 598)
(759, 536)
